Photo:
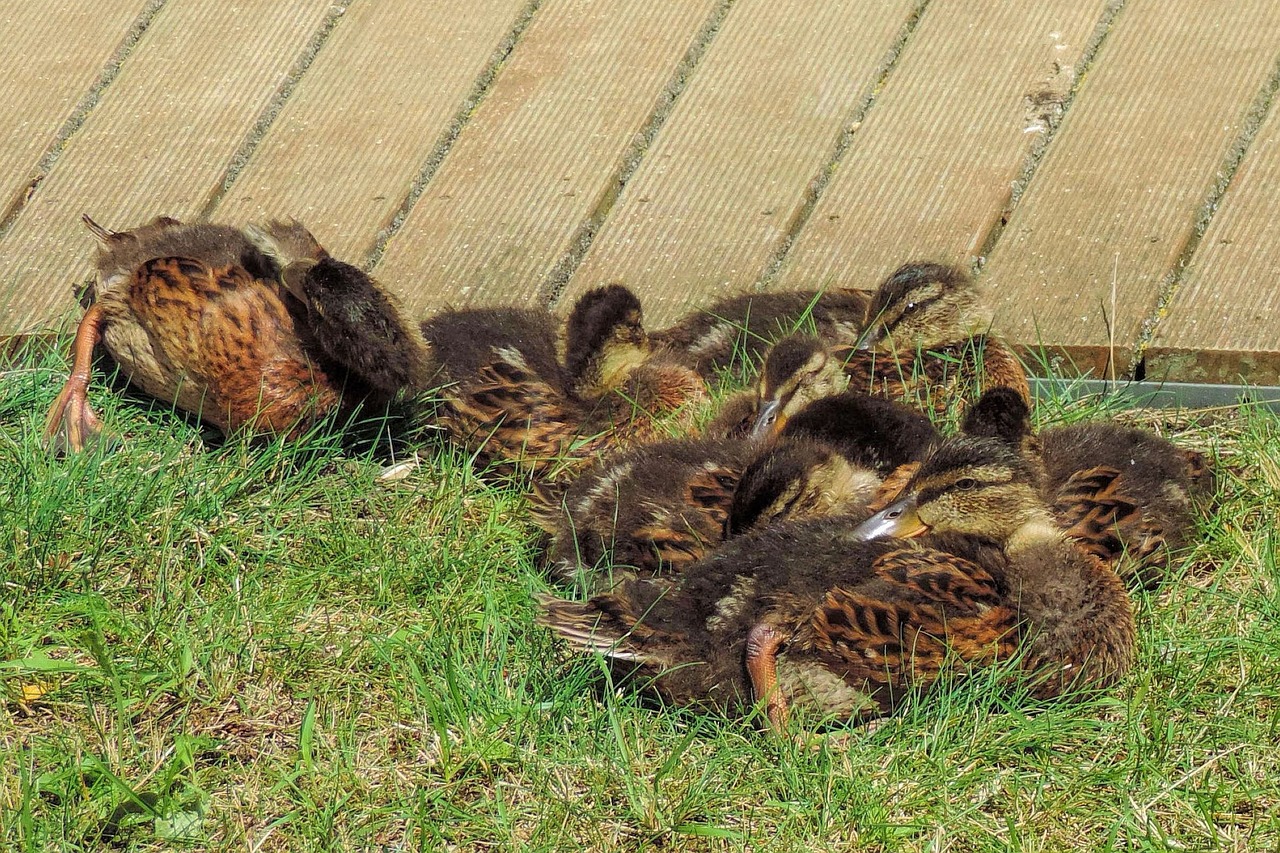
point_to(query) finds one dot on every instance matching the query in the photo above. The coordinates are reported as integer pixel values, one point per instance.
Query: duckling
(1124, 494)
(798, 478)
(648, 512)
(835, 455)
(355, 322)
(735, 417)
(927, 343)
(658, 509)
(732, 335)
(834, 618)
(508, 397)
(195, 314)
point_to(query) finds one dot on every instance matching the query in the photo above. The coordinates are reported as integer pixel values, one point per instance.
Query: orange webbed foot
(71, 422)
(763, 643)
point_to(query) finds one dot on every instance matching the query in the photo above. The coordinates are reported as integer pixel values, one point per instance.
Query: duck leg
(763, 643)
(71, 421)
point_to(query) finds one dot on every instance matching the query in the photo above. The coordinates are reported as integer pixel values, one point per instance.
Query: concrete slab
(352, 138)
(930, 170)
(1223, 324)
(718, 189)
(54, 55)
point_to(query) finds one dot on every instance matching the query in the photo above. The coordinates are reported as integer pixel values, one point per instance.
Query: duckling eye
(910, 306)
(966, 484)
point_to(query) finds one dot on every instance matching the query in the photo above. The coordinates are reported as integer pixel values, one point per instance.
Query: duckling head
(799, 478)
(968, 485)
(605, 340)
(924, 305)
(797, 371)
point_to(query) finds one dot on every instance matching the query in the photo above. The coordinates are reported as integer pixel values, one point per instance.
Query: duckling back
(733, 334)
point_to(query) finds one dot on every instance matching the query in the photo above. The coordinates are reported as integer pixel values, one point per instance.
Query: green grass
(261, 647)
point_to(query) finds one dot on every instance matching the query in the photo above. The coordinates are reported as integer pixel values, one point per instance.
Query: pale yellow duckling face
(977, 486)
(923, 306)
(797, 371)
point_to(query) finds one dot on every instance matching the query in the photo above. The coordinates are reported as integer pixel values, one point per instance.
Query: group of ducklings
(816, 543)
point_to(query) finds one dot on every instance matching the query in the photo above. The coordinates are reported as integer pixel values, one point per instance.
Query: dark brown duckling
(816, 615)
(732, 335)
(508, 398)
(1124, 494)
(832, 457)
(660, 508)
(648, 512)
(357, 324)
(196, 314)
(927, 343)
(798, 478)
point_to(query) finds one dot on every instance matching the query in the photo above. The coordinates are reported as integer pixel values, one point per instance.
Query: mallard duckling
(662, 507)
(827, 619)
(735, 417)
(509, 399)
(835, 455)
(798, 478)
(358, 324)
(732, 335)
(1124, 494)
(927, 343)
(648, 512)
(195, 314)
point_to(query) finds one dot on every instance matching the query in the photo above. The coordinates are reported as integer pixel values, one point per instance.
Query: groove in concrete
(553, 286)
(81, 112)
(479, 91)
(254, 138)
(1231, 162)
(844, 141)
(1035, 156)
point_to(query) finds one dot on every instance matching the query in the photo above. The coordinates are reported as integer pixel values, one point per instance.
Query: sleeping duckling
(1124, 494)
(660, 508)
(732, 335)
(927, 343)
(355, 322)
(836, 455)
(829, 620)
(508, 398)
(195, 314)
(648, 512)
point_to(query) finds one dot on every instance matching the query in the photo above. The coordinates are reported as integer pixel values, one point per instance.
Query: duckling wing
(921, 610)
(1094, 508)
(507, 413)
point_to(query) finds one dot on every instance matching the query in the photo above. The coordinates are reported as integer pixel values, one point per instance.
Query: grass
(265, 647)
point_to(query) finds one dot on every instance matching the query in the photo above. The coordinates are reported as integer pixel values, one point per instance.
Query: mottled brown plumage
(1124, 494)
(648, 512)
(197, 315)
(927, 343)
(815, 615)
(508, 397)
(831, 458)
(732, 335)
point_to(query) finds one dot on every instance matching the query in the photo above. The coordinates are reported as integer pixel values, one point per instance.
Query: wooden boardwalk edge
(575, 143)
